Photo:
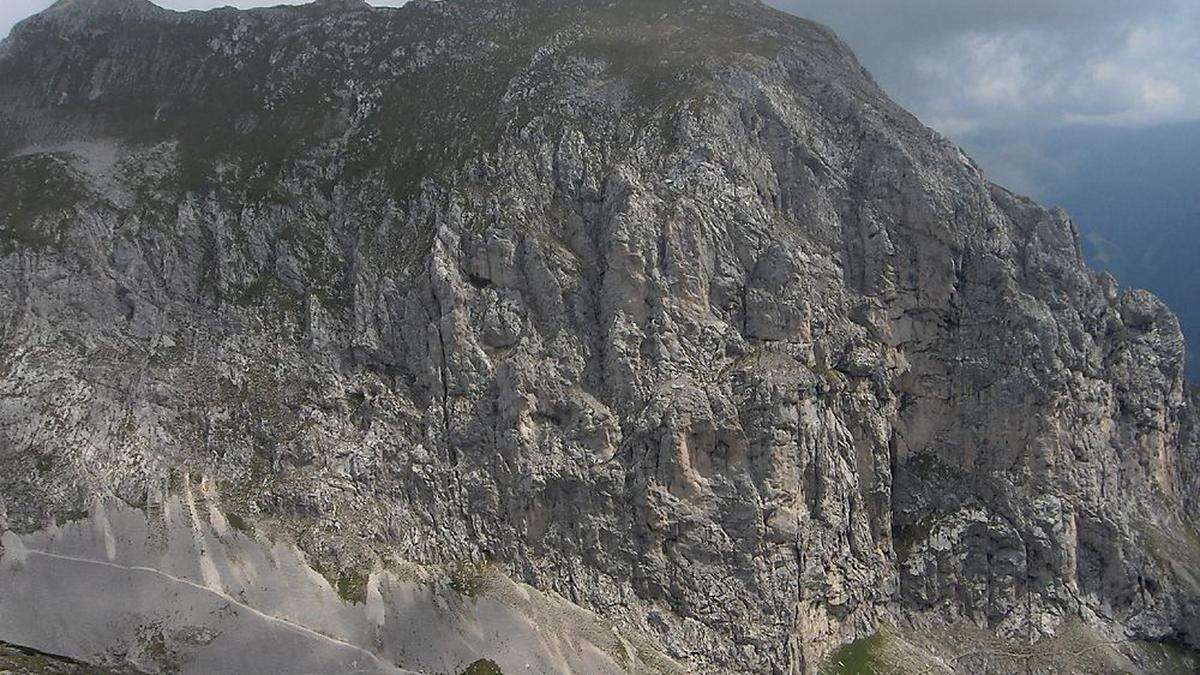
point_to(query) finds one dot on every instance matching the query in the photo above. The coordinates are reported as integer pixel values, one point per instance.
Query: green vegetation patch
(467, 578)
(1172, 657)
(352, 587)
(930, 468)
(36, 195)
(666, 54)
(44, 463)
(14, 659)
(239, 523)
(907, 537)
(267, 190)
(1175, 550)
(350, 584)
(154, 646)
(861, 657)
(483, 667)
(71, 515)
(268, 289)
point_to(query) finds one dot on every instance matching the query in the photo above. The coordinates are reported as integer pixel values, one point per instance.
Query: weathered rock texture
(658, 305)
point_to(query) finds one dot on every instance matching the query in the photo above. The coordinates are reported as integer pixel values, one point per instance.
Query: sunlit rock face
(658, 312)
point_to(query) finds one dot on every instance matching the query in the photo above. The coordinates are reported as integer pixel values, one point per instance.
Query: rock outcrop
(661, 307)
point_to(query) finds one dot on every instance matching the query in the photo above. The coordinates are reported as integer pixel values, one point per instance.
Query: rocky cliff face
(661, 308)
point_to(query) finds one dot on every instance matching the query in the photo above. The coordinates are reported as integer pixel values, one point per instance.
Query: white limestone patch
(208, 569)
(164, 590)
(12, 551)
(104, 529)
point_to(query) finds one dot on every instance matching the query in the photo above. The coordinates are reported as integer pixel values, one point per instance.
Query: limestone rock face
(659, 307)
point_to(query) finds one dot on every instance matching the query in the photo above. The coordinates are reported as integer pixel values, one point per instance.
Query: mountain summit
(531, 336)
(86, 13)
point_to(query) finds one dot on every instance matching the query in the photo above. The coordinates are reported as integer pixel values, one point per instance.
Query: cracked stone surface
(660, 311)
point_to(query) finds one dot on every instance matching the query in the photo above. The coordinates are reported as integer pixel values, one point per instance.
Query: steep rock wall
(662, 307)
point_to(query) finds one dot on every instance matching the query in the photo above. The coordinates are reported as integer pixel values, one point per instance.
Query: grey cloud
(12, 11)
(901, 21)
(971, 64)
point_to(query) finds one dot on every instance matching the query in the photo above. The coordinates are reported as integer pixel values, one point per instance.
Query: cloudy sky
(1012, 79)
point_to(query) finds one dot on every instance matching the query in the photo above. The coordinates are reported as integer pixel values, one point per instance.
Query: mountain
(1132, 193)
(1160, 256)
(556, 336)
